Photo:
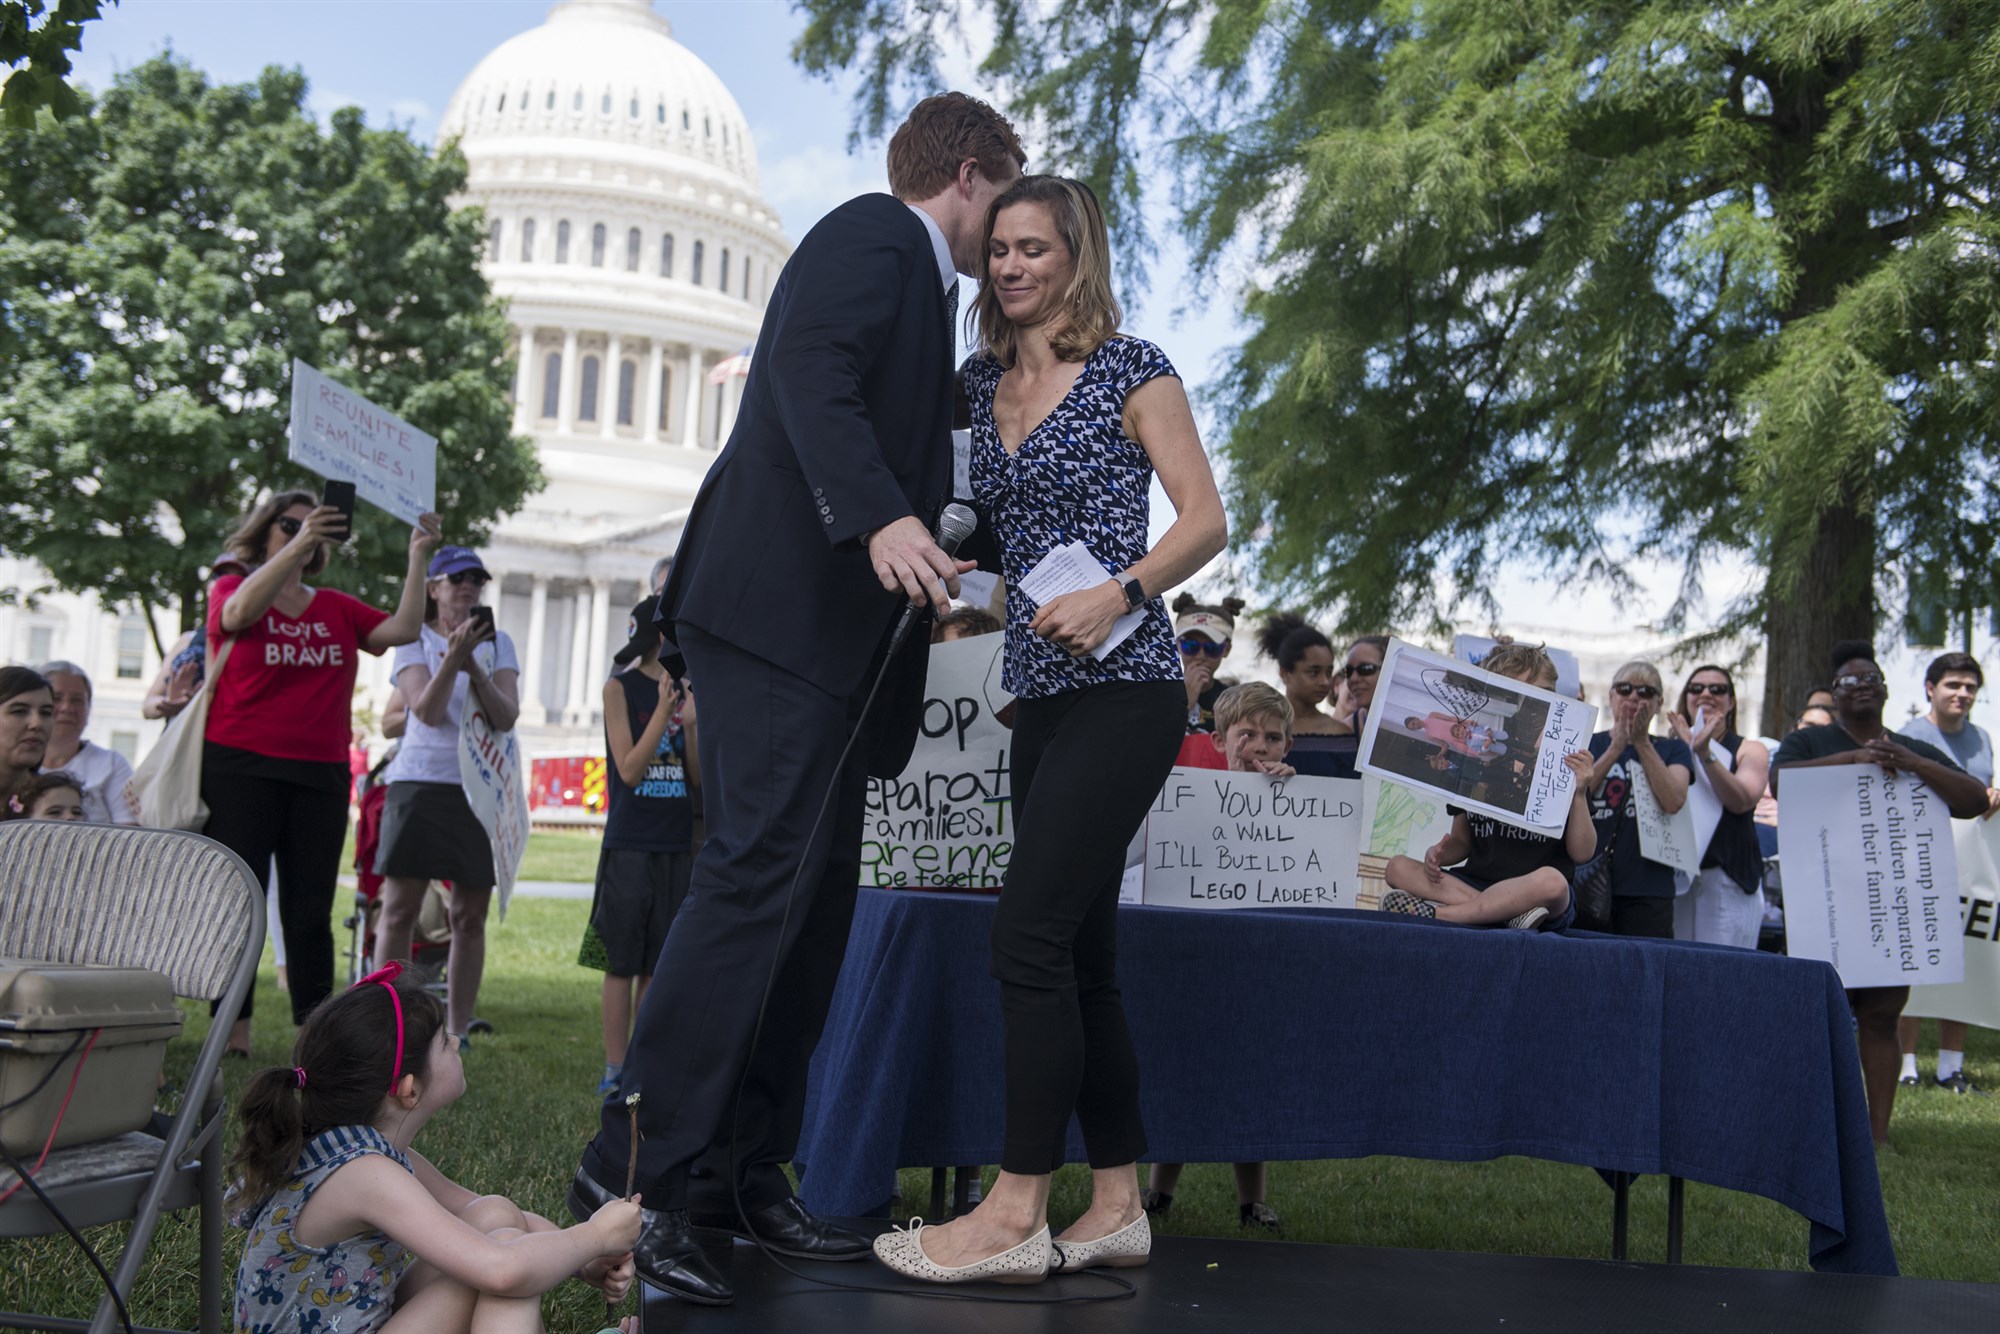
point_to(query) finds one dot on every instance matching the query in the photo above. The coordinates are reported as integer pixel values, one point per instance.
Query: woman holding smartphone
(274, 756)
(428, 829)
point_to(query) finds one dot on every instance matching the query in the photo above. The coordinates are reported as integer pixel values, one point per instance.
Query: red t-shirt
(1198, 751)
(288, 689)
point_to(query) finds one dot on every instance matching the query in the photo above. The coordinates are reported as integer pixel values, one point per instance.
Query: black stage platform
(1196, 1283)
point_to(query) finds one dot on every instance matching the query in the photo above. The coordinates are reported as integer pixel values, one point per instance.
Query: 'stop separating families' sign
(1489, 744)
(338, 433)
(946, 822)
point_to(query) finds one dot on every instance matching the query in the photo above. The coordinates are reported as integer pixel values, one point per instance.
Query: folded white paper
(1072, 569)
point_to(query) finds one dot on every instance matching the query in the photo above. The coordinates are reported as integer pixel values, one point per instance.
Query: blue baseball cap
(453, 560)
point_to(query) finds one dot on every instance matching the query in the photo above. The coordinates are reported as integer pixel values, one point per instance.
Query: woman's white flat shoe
(904, 1252)
(1127, 1248)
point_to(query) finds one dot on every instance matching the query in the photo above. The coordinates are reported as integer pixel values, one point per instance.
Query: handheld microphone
(954, 526)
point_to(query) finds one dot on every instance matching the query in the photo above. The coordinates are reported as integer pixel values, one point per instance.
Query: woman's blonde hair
(1640, 672)
(1090, 312)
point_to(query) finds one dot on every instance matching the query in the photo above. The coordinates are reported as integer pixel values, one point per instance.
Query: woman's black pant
(1087, 765)
(304, 828)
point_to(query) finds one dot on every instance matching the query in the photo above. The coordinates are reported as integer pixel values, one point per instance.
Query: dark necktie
(951, 312)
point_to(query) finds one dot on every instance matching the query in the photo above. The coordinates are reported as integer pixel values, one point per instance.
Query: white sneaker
(1528, 920)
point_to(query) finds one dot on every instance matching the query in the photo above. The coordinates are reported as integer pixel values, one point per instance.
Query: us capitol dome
(626, 231)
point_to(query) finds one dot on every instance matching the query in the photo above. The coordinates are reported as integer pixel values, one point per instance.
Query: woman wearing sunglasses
(1725, 903)
(274, 766)
(1359, 673)
(1642, 891)
(429, 832)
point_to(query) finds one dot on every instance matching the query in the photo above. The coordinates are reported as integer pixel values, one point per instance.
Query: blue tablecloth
(1305, 1035)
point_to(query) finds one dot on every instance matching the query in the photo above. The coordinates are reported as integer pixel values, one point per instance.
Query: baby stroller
(431, 945)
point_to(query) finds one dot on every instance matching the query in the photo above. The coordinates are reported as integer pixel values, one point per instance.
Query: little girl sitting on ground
(351, 1229)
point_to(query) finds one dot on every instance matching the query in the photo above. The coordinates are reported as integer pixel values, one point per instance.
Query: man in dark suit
(811, 532)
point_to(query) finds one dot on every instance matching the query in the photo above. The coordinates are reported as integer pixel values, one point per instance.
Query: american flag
(728, 366)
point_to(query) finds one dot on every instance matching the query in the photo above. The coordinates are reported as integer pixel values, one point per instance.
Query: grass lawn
(530, 1108)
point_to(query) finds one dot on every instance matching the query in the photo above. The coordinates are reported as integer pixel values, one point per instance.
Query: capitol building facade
(627, 235)
(626, 232)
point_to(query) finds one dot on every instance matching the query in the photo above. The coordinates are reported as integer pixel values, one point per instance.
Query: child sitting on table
(1253, 730)
(1501, 873)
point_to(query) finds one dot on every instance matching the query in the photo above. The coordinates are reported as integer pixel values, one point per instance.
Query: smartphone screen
(340, 495)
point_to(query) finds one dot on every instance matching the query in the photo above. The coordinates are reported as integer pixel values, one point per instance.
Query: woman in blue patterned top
(1070, 423)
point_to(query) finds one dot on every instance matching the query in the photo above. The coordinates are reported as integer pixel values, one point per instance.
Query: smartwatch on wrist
(1135, 596)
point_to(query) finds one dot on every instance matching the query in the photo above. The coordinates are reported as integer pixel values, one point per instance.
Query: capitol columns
(656, 364)
(691, 430)
(575, 709)
(566, 405)
(524, 362)
(608, 386)
(533, 710)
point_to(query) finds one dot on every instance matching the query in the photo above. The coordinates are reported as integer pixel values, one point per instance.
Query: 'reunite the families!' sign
(337, 433)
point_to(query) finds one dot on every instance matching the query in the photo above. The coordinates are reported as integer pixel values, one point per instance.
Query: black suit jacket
(845, 427)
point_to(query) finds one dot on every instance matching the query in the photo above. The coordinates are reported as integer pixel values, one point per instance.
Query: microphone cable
(1124, 1290)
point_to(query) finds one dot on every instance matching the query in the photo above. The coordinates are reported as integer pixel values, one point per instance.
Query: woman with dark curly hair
(1321, 745)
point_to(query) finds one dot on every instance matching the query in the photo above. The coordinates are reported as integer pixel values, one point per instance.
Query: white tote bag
(168, 782)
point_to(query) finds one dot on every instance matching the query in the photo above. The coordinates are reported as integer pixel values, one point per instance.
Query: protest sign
(1672, 840)
(961, 465)
(1396, 821)
(1976, 1000)
(1870, 876)
(494, 774)
(1484, 742)
(1216, 839)
(338, 433)
(985, 591)
(1569, 677)
(946, 822)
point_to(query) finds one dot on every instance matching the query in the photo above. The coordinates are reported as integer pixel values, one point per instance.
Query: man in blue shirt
(1951, 683)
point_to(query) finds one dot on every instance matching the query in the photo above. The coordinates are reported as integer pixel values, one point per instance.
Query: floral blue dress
(286, 1287)
(1077, 476)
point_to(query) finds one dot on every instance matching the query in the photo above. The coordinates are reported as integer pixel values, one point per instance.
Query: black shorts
(430, 833)
(638, 894)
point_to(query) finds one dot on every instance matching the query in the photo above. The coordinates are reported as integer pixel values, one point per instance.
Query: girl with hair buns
(1070, 423)
(351, 1228)
(1321, 745)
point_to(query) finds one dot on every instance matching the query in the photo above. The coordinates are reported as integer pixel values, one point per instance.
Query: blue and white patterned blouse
(284, 1286)
(1077, 476)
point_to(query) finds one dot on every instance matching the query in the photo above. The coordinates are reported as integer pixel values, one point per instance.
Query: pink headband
(387, 975)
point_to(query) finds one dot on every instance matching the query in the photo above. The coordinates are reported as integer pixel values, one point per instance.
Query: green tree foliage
(39, 54)
(162, 260)
(1591, 284)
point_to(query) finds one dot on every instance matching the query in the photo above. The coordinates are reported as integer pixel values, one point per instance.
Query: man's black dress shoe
(667, 1255)
(788, 1229)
